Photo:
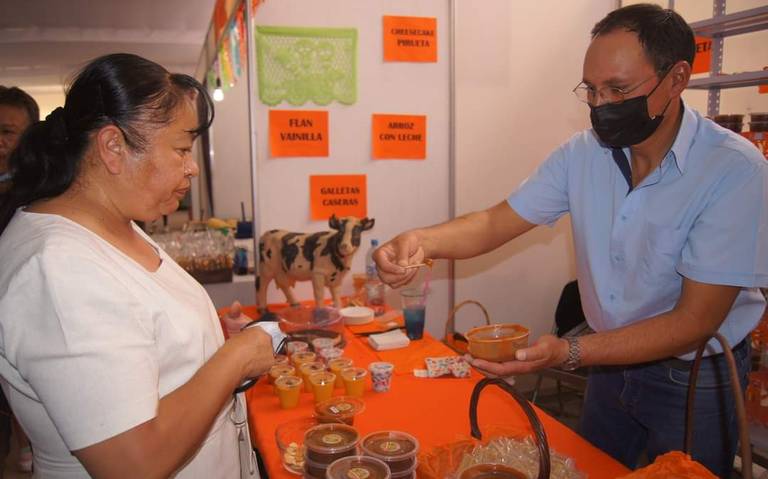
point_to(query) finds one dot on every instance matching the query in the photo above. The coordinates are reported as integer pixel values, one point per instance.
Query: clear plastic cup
(336, 365)
(322, 343)
(288, 391)
(296, 347)
(354, 381)
(322, 385)
(280, 370)
(307, 369)
(328, 354)
(302, 357)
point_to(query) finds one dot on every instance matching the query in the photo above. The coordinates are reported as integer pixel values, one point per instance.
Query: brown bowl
(497, 342)
(491, 471)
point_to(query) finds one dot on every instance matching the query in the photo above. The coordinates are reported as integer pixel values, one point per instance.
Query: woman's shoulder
(32, 236)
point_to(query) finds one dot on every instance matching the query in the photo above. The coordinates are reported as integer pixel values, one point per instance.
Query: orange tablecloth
(436, 411)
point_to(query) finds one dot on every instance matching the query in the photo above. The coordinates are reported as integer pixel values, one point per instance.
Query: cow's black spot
(258, 283)
(332, 248)
(310, 245)
(357, 231)
(269, 253)
(289, 250)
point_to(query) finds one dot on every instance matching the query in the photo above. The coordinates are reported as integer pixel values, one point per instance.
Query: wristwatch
(573, 361)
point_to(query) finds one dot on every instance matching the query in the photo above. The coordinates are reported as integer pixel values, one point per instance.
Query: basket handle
(741, 415)
(539, 434)
(450, 325)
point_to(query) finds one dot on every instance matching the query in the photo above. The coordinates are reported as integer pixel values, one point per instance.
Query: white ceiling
(44, 42)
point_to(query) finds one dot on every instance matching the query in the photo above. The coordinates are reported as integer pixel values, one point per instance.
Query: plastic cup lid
(288, 381)
(354, 374)
(331, 438)
(358, 467)
(390, 445)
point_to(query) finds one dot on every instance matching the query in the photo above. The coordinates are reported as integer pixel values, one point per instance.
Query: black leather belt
(683, 365)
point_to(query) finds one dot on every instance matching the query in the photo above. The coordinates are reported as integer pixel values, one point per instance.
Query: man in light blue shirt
(670, 224)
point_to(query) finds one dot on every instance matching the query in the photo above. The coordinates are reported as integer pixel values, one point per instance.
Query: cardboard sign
(298, 133)
(703, 58)
(399, 136)
(342, 195)
(410, 39)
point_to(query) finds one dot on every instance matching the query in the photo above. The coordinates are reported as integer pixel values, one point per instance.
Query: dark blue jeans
(628, 410)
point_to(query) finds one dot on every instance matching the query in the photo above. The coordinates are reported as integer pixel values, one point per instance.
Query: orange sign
(399, 136)
(298, 133)
(342, 195)
(410, 39)
(703, 59)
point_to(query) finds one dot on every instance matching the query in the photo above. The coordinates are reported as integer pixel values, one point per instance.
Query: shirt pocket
(662, 252)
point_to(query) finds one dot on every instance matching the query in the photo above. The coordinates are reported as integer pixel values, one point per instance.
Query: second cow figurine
(323, 257)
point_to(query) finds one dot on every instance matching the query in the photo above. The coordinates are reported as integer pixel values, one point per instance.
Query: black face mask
(628, 123)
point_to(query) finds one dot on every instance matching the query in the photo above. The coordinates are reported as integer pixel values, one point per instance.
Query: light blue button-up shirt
(702, 214)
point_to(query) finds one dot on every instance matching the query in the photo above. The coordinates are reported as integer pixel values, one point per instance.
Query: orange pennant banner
(298, 133)
(703, 59)
(399, 137)
(410, 39)
(342, 195)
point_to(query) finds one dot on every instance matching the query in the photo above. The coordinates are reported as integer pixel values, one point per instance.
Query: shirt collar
(685, 137)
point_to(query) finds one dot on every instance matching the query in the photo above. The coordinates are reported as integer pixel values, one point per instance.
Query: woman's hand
(392, 257)
(254, 350)
(234, 320)
(548, 351)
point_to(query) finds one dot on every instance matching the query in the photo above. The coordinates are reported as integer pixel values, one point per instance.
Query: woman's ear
(112, 149)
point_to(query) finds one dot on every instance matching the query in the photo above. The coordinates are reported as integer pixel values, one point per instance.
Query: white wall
(401, 194)
(231, 178)
(517, 63)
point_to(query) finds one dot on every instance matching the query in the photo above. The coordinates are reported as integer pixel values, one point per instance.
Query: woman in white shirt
(111, 356)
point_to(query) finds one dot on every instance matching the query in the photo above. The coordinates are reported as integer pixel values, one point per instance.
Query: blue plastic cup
(414, 311)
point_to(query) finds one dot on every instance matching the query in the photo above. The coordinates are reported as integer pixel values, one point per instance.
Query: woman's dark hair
(16, 97)
(663, 33)
(128, 91)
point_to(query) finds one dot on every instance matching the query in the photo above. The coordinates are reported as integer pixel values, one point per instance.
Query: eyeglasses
(609, 94)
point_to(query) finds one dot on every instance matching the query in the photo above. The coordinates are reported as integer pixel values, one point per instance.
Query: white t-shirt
(90, 341)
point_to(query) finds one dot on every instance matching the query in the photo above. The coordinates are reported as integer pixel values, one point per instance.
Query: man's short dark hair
(663, 33)
(14, 96)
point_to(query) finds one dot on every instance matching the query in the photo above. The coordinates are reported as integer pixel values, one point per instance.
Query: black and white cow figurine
(323, 257)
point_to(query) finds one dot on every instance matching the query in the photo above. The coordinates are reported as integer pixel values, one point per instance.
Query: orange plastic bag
(672, 464)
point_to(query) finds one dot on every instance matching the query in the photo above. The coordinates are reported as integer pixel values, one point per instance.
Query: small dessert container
(280, 370)
(336, 365)
(302, 357)
(325, 443)
(307, 369)
(497, 342)
(290, 441)
(397, 449)
(339, 409)
(322, 385)
(288, 391)
(358, 467)
(354, 381)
